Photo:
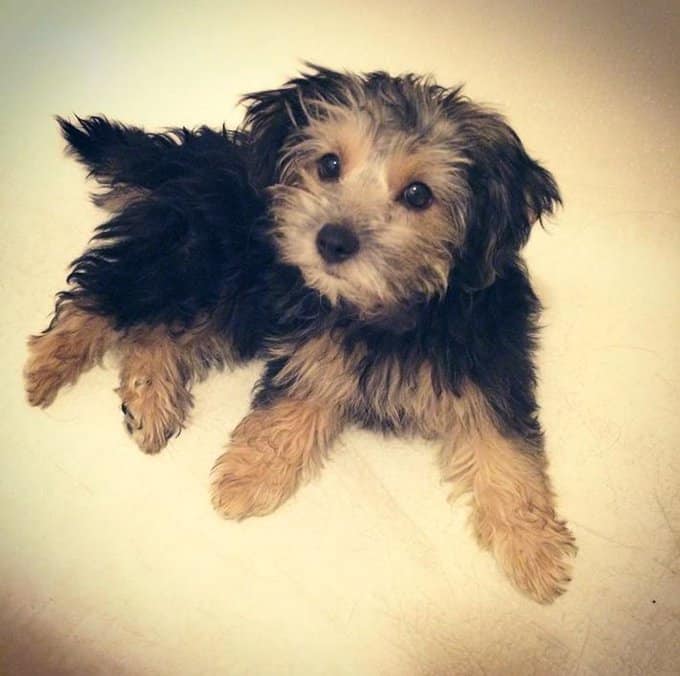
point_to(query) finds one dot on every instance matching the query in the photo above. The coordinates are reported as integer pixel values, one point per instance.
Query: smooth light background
(114, 563)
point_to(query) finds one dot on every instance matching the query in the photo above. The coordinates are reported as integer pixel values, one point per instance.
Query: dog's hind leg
(158, 367)
(74, 342)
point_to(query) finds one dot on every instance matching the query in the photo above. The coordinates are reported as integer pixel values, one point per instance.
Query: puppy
(362, 234)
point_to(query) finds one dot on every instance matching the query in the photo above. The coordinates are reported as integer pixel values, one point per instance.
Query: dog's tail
(126, 160)
(119, 154)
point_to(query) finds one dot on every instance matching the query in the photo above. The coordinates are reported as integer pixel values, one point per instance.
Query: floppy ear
(510, 192)
(272, 115)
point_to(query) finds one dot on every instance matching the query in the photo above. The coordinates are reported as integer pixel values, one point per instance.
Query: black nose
(336, 243)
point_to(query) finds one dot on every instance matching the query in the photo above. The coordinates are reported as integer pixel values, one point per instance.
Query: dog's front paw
(536, 555)
(153, 414)
(247, 482)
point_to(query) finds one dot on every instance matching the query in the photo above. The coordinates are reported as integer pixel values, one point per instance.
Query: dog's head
(388, 190)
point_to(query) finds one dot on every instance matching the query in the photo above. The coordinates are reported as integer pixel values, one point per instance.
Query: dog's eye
(417, 196)
(329, 167)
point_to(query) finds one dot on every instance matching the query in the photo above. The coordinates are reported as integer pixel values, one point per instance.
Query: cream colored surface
(114, 563)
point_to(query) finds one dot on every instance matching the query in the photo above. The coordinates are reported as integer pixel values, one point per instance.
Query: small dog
(361, 233)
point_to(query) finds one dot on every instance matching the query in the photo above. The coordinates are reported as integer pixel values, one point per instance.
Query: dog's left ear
(510, 192)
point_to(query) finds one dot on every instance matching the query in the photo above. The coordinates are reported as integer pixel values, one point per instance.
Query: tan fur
(153, 389)
(412, 404)
(513, 506)
(342, 131)
(75, 341)
(431, 164)
(158, 367)
(513, 511)
(403, 251)
(322, 370)
(272, 451)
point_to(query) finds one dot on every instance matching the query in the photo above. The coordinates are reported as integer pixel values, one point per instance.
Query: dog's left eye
(329, 167)
(417, 196)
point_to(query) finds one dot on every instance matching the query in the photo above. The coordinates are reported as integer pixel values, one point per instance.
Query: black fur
(195, 242)
(187, 245)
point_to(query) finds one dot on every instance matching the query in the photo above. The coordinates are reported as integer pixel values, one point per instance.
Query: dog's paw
(74, 342)
(153, 414)
(246, 482)
(537, 558)
(50, 366)
(42, 382)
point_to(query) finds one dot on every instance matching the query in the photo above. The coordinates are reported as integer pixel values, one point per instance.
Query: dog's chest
(374, 390)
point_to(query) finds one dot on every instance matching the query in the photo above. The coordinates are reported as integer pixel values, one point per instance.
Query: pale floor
(112, 562)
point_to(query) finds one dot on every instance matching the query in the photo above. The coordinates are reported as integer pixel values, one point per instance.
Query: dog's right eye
(328, 167)
(417, 196)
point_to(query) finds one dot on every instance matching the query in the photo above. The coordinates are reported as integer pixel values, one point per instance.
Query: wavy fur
(209, 258)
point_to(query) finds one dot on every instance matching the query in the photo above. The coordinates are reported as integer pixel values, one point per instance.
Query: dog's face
(367, 209)
(384, 189)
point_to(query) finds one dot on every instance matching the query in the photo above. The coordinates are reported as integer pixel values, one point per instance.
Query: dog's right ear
(273, 114)
(270, 118)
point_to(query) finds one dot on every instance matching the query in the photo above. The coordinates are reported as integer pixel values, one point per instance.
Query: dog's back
(183, 238)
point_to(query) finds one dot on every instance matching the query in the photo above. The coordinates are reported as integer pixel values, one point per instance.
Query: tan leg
(158, 368)
(272, 451)
(75, 341)
(153, 388)
(513, 512)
